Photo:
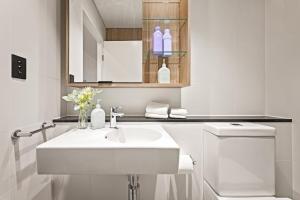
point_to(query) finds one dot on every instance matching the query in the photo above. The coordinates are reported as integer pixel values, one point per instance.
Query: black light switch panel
(18, 67)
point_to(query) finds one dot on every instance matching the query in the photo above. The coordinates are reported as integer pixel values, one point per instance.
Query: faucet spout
(114, 114)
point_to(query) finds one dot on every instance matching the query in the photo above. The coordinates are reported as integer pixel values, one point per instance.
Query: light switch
(18, 67)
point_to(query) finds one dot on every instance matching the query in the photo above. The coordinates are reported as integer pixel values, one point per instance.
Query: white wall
(227, 58)
(133, 100)
(30, 29)
(283, 71)
(123, 61)
(90, 57)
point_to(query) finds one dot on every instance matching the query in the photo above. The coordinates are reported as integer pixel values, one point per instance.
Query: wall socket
(18, 67)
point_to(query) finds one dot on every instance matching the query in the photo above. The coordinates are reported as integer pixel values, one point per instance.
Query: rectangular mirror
(127, 43)
(105, 41)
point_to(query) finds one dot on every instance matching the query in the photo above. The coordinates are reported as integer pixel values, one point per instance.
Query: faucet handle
(115, 109)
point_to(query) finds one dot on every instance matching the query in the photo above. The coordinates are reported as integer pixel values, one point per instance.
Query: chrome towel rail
(18, 133)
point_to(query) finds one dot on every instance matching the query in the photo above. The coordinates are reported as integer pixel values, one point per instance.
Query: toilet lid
(243, 129)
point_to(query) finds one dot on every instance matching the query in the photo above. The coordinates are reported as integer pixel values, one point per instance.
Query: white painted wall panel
(30, 29)
(282, 74)
(227, 58)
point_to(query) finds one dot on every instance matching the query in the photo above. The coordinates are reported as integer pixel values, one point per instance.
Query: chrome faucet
(114, 113)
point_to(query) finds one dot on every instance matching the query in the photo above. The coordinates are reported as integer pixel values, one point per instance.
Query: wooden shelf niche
(171, 14)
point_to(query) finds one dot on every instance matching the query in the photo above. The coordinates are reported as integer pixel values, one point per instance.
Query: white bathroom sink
(131, 149)
(133, 135)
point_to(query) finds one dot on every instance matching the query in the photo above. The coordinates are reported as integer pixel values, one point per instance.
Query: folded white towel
(179, 111)
(157, 116)
(178, 116)
(157, 108)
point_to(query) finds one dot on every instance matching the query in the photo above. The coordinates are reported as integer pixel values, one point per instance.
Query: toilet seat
(209, 194)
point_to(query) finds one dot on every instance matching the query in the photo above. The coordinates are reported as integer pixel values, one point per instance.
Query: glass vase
(83, 119)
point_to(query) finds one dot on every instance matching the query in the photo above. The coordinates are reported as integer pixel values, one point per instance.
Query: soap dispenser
(98, 117)
(164, 74)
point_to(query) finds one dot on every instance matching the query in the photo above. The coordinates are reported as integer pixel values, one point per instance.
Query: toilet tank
(239, 159)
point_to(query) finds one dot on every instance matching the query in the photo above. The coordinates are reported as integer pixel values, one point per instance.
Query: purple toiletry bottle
(167, 43)
(157, 41)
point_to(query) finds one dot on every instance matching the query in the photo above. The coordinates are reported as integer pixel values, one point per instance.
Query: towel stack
(157, 110)
(179, 113)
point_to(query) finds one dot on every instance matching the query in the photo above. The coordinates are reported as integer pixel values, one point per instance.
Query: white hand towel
(179, 111)
(157, 108)
(178, 116)
(157, 116)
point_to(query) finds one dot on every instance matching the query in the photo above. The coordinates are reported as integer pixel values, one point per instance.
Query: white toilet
(239, 161)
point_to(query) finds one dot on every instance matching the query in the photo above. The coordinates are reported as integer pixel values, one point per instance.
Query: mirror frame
(65, 10)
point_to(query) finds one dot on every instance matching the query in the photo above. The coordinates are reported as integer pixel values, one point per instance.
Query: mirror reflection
(105, 41)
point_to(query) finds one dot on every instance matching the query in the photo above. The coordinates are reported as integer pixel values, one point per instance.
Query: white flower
(82, 98)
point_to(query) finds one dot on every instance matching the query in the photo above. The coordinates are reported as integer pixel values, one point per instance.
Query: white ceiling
(121, 13)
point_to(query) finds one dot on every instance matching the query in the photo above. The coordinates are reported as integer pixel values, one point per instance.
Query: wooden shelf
(127, 85)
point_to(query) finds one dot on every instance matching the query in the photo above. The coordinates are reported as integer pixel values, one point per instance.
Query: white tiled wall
(134, 100)
(227, 58)
(282, 73)
(30, 29)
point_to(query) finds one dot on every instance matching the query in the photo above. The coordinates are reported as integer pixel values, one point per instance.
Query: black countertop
(70, 119)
